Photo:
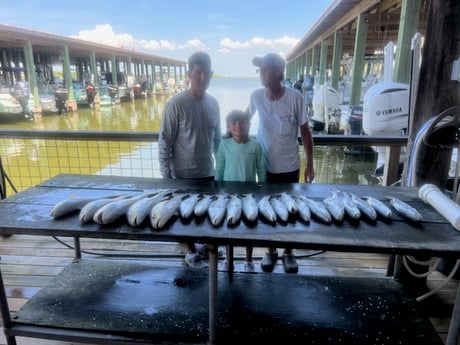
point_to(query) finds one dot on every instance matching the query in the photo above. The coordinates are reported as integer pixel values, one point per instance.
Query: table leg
(77, 250)
(452, 336)
(5, 312)
(212, 293)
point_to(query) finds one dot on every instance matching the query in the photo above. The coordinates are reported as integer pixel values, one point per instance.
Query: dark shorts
(289, 177)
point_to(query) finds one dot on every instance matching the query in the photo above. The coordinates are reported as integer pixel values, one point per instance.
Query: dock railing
(30, 157)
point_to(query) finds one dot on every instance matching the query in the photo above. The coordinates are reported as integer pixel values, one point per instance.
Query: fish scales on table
(303, 210)
(163, 211)
(266, 209)
(364, 207)
(405, 209)
(335, 206)
(112, 211)
(379, 206)
(351, 209)
(289, 202)
(139, 211)
(187, 205)
(202, 205)
(73, 204)
(217, 209)
(318, 208)
(280, 208)
(250, 207)
(234, 209)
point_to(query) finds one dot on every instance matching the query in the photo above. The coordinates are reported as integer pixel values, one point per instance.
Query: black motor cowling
(91, 91)
(61, 96)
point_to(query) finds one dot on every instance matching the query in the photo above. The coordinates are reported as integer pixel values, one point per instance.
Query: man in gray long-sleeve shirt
(190, 132)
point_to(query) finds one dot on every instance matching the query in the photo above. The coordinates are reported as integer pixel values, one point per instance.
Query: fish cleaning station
(131, 292)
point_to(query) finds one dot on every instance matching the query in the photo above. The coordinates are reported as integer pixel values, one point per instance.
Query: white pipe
(432, 195)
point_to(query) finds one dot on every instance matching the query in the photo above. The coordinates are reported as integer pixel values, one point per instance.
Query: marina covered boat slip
(130, 302)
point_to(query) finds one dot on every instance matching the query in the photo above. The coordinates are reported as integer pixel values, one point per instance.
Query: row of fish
(160, 206)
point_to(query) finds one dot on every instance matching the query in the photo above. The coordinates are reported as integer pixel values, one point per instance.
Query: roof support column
(314, 63)
(92, 59)
(323, 62)
(68, 79)
(33, 86)
(114, 71)
(337, 52)
(307, 63)
(358, 60)
(408, 24)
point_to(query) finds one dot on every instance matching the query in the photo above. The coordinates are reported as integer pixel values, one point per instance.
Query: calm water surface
(331, 164)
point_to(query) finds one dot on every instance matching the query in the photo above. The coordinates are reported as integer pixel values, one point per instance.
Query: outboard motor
(91, 91)
(61, 96)
(113, 92)
(298, 84)
(21, 93)
(355, 119)
(307, 89)
(386, 112)
(137, 89)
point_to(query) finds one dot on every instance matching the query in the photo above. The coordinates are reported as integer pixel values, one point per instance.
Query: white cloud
(256, 42)
(104, 34)
(232, 57)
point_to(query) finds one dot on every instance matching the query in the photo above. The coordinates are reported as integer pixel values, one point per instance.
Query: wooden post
(436, 92)
(408, 24)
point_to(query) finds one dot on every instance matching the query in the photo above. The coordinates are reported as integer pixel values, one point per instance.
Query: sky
(231, 31)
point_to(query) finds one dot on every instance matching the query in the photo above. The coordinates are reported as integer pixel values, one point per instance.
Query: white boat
(14, 102)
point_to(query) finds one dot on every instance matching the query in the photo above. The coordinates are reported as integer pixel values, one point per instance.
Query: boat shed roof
(382, 17)
(14, 38)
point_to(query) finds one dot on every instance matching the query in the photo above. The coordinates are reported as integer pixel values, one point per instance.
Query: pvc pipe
(432, 195)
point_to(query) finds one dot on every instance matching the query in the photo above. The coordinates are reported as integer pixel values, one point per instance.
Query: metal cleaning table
(28, 213)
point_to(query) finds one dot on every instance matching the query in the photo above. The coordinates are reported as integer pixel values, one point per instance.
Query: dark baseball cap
(270, 59)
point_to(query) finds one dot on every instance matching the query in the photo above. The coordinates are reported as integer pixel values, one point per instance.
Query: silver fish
(112, 211)
(317, 208)
(280, 208)
(187, 205)
(162, 212)
(379, 206)
(335, 207)
(364, 206)
(289, 202)
(266, 209)
(303, 209)
(69, 205)
(405, 209)
(217, 209)
(350, 207)
(202, 205)
(140, 209)
(87, 212)
(250, 207)
(234, 209)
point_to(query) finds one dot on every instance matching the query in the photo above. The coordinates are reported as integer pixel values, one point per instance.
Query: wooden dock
(30, 262)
